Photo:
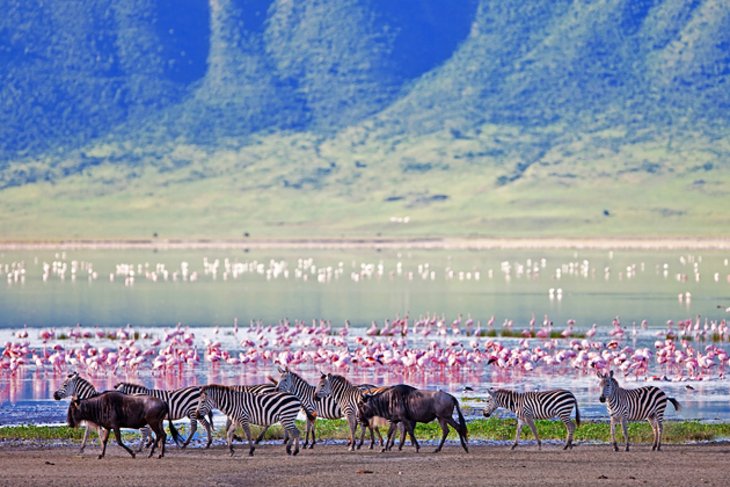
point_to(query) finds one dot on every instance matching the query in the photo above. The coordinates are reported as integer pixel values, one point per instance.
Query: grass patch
(492, 429)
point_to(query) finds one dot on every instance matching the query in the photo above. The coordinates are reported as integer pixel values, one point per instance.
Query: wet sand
(333, 465)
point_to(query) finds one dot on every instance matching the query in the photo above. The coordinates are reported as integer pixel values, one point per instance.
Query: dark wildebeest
(408, 405)
(113, 410)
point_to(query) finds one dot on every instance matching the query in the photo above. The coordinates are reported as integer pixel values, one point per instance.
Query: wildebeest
(113, 410)
(406, 404)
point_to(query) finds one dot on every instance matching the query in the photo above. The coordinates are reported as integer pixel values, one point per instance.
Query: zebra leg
(104, 438)
(292, 433)
(532, 426)
(247, 430)
(193, 428)
(86, 437)
(261, 435)
(353, 426)
(613, 434)
(311, 445)
(208, 429)
(570, 426)
(625, 429)
(659, 433)
(517, 436)
(445, 430)
(231, 428)
(118, 435)
(144, 434)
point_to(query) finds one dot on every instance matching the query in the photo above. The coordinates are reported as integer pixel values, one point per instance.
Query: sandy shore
(385, 243)
(332, 465)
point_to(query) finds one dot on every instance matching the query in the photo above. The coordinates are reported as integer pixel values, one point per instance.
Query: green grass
(575, 190)
(492, 429)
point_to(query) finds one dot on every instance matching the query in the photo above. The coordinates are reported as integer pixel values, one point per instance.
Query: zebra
(75, 385)
(529, 406)
(245, 408)
(326, 408)
(625, 405)
(182, 403)
(347, 396)
(253, 389)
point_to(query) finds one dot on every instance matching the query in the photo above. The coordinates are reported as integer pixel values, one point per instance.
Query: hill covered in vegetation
(361, 118)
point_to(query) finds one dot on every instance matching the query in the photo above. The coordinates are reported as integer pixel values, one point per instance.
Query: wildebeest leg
(456, 426)
(445, 431)
(118, 435)
(161, 436)
(362, 436)
(410, 425)
(104, 439)
(391, 432)
(380, 438)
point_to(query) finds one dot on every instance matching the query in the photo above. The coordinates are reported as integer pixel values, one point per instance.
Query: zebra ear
(611, 374)
(281, 371)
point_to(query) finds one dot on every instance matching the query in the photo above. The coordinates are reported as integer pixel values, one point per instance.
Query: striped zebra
(529, 406)
(326, 408)
(182, 403)
(245, 408)
(75, 385)
(626, 405)
(347, 396)
(253, 389)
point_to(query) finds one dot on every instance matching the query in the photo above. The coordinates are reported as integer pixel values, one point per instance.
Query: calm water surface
(211, 290)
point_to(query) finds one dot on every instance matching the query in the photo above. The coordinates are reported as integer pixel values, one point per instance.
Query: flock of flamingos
(681, 351)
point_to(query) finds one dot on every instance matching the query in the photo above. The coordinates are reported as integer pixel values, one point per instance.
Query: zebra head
(286, 381)
(324, 387)
(204, 403)
(491, 404)
(608, 386)
(68, 388)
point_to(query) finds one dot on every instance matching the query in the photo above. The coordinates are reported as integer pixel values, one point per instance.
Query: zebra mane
(132, 384)
(340, 380)
(505, 397)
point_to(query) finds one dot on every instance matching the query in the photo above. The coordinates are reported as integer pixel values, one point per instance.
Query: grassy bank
(492, 429)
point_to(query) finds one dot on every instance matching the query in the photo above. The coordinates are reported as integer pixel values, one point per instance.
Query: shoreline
(437, 243)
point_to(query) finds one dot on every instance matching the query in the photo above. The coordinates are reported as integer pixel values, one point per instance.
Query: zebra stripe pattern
(253, 389)
(245, 408)
(529, 406)
(182, 403)
(324, 408)
(346, 395)
(624, 405)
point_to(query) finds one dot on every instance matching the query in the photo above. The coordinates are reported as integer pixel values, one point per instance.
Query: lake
(458, 303)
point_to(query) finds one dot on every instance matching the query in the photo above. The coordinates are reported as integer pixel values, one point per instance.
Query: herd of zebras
(335, 397)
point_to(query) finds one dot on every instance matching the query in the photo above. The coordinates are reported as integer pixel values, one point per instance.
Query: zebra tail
(462, 421)
(174, 432)
(675, 403)
(210, 419)
(577, 415)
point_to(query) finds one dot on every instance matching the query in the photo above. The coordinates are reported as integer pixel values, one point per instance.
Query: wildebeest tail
(675, 403)
(174, 432)
(462, 422)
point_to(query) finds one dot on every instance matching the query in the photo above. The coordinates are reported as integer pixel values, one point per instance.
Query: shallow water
(209, 291)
